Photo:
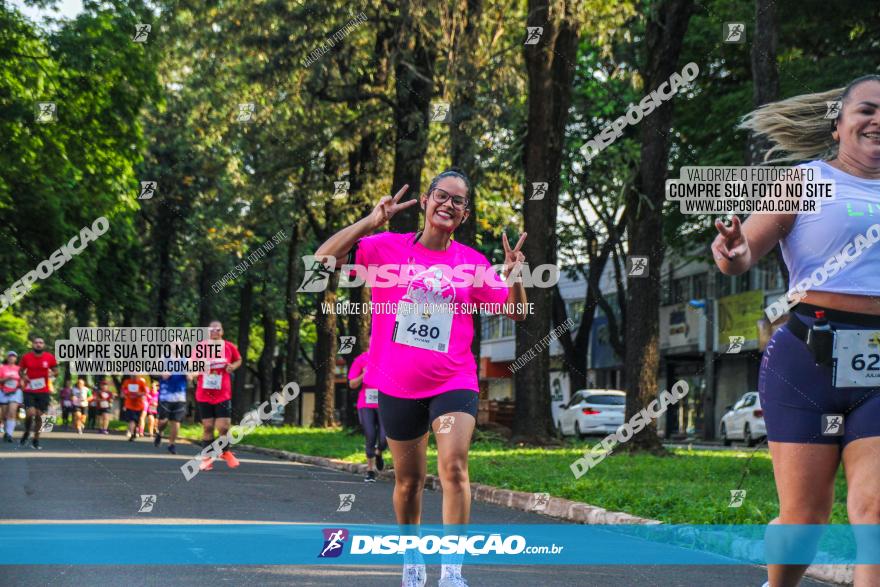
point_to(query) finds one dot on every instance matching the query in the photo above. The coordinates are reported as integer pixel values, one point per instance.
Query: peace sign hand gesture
(388, 206)
(730, 242)
(513, 258)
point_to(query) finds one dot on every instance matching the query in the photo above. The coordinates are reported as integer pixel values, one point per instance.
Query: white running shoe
(454, 580)
(767, 584)
(414, 576)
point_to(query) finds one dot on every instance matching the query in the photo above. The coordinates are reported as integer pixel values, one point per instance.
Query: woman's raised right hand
(388, 206)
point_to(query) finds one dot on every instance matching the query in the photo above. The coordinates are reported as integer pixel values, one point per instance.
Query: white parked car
(591, 411)
(744, 421)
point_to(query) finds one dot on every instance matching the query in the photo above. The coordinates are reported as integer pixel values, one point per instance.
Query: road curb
(556, 507)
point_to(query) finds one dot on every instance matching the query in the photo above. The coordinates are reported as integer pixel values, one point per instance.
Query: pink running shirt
(357, 367)
(406, 371)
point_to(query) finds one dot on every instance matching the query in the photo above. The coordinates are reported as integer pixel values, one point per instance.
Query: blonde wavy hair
(797, 128)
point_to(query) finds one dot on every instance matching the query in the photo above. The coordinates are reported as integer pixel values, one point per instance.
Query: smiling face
(858, 127)
(445, 216)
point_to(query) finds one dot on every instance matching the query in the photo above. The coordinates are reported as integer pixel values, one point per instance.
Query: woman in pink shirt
(420, 356)
(10, 394)
(368, 415)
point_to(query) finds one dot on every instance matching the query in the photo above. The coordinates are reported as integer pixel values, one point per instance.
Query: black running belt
(799, 329)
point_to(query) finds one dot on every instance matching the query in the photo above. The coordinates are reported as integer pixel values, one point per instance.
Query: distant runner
(10, 393)
(134, 390)
(37, 368)
(104, 397)
(91, 419)
(368, 415)
(79, 397)
(152, 408)
(214, 397)
(172, 407)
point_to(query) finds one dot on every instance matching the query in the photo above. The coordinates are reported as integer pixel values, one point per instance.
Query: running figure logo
(317, 274)
(148, 190)
(141, 32)
(833, 109)
(46, 112)
(346, 345)
(440, 112)
(533, 35)
(734, 32)
(246, 111)
(47, 424)
(446, 423)
(736, 344)
(541, 501)
(147, 503)
(346, 500)
(737, 497)
(539, 190)
(638, 266)
(340, 189)
(832, 424)
(334, 540)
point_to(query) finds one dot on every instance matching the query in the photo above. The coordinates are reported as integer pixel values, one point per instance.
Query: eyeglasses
(442, 196)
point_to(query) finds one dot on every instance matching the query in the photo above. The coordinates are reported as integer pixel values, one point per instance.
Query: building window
(699, 287)
(575, 310)
(506, 326)
(490, 327)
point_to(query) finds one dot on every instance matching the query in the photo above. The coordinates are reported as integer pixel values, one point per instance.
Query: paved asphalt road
(94, 478)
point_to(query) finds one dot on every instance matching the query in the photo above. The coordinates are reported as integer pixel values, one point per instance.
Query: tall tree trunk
(462, 133)
(295, 270)
(765, 88)
(325, 356)
(241, 403)
(550, 74)
(205, 293)
(765, 73)
(664, 34)
(166, 274)
(270, 343)
(414, 88)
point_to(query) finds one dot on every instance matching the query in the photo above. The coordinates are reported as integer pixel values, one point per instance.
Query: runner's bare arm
(513, 260)
(356, 382)
(233, 366)
(739, 246)
(338, 245)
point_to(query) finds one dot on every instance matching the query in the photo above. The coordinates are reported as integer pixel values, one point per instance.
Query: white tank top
(840, 234)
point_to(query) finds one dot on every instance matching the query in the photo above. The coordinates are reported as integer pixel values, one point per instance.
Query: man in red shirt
(214, 396)
(36, 367)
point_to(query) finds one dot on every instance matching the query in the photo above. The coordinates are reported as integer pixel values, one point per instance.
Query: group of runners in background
(151, 406)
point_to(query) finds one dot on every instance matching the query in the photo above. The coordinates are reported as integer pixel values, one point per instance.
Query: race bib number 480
(856, 358)
(423, 330)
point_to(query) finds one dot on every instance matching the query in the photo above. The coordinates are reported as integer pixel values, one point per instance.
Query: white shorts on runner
(15, 397)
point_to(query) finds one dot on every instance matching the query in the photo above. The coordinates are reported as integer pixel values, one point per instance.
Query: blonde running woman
(795, 383)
